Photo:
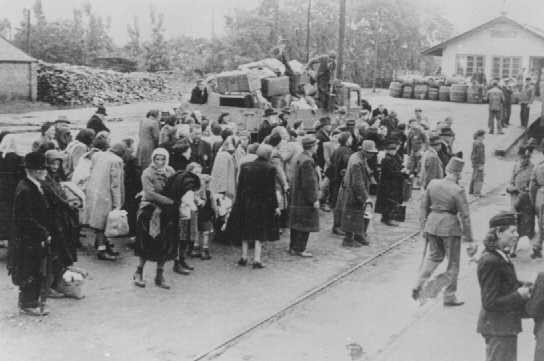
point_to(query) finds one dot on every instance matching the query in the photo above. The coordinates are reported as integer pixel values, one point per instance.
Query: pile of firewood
(65, 84)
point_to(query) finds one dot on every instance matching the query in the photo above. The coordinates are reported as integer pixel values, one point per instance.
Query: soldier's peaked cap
(503, 219)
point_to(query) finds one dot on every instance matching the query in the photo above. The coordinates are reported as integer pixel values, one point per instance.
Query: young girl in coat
(207, 210)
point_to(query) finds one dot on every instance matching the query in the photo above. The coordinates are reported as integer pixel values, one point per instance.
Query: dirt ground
(117, 321)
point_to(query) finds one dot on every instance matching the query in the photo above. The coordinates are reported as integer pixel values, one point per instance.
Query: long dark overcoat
(32, 217)
(502, 306)
(353, 195)
(304, 193)
(253, 213)
(11, 172)
(390, 186)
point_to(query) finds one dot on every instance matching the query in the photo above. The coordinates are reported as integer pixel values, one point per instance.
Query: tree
(5, 28)
(156, 56)
(133, 47)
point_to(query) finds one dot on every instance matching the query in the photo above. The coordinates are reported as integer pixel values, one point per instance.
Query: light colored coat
(105, 188)
(148, 136)
(444, 210)
(224, 173)
(432, 167)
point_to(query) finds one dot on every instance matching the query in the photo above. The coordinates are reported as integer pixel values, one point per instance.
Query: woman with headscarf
(105, 191)
(224, 170)
(64, 221)
(11, 172)
(76, 149)
(255, 210)
(152, 244)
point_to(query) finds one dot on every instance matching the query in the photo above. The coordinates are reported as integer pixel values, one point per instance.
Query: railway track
(221, 348)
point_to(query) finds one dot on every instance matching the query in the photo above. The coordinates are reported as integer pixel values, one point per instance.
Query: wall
(18, 81)
(499, 40)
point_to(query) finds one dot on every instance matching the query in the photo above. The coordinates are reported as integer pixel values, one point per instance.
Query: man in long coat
(339, 163)
(431, 165)
(304, 208)
(390, 186)
(148, 138)
(495, 98)
(105, 191)
(31, 238)
(445, 218)
(353, 196)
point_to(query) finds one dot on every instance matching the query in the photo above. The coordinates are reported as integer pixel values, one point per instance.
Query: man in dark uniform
(31, 236)
(325, 76)
(503, 295)
(445, 218)
(507, 110)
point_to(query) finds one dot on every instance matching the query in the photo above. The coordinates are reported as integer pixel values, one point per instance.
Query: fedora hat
(35, 161)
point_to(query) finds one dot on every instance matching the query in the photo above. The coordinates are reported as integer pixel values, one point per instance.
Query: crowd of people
(189, 182)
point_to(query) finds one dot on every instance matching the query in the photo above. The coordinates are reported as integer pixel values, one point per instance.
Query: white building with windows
(501, 48)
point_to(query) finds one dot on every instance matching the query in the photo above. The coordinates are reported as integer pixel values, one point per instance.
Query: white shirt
(36, 183)
(504, 256)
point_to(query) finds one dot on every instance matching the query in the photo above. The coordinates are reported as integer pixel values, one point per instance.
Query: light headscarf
(163, 152)
(8, 145)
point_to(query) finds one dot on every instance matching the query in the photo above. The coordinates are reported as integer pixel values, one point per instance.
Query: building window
(469, 64)
(506, 66)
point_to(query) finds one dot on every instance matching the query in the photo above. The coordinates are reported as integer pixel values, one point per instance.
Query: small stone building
(18, 73)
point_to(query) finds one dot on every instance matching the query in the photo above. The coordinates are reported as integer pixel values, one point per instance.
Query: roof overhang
(437, 50)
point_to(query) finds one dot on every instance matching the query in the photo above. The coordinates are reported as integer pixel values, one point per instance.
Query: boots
(178, 268)
(160, 281)
(205, 255)
(139, 277)
(195, 253)
(185, 265)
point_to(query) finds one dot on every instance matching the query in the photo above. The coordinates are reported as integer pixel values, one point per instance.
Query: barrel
(458, 93)
(395, 89)
(432, 94)
(407, 91)
(420, 91)
(444, 93)
(474, 94)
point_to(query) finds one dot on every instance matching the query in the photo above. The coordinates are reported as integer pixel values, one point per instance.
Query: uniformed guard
(503, 295)
(445, 218)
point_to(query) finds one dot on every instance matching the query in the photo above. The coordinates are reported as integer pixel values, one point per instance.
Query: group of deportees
(191, 180)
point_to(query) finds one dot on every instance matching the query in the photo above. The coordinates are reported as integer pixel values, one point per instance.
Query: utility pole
(308, 31)
(378, 26)
(27, 13)
(341, 37)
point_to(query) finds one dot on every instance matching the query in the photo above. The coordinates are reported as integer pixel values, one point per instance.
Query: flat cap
(308, 141)
(503, 219)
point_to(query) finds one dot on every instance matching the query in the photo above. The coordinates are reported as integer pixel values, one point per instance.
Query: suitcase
(275, 86)
(238, 81)
(239, 101)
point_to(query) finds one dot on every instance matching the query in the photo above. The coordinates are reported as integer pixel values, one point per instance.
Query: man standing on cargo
(495, 98)
(280, 52)
(325, 76)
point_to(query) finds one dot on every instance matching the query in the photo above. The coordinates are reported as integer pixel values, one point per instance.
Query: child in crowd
(206, 215)
(478, 162)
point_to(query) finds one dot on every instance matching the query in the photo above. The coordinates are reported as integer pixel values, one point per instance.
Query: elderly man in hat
(353, 196)
(96, 122)
(445, 152)
(393, 174)
(325, 76)
(495, 98)
(199, 94)
(503, 296)
(445, 218)
(431, 165)
(304, 207)
(269, 122)
(27, 252)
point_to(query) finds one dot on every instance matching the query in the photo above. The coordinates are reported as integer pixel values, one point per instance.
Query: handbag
(398, 213)
(117, 224)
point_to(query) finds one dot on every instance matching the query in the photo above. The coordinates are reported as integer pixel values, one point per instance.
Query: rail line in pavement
(219, 349)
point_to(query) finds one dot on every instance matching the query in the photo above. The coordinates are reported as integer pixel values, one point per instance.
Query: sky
(194, 17)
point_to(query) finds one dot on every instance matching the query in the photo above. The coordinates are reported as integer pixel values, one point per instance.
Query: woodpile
(65, 84)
